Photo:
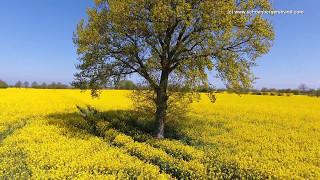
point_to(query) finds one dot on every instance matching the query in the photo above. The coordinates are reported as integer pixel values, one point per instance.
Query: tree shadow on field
(141, 130)
(125, 121)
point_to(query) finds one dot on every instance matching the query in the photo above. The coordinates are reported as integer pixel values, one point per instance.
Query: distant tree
(314, 92)
(318, 92)
(53, 85)
(126, 84)
(26, 84)
(171, 43)
(3, 85)
(65, 86)
(18, 84)
(58, 85)
(34, 84)
(203, 89)
(303, 88)
(284, 90)
(265, 90)
(273, 90)
(43, 86)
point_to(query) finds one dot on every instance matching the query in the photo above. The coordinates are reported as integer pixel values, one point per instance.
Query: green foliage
(26, 84)
(52, 85)
(180, 39)
(178, 104)
(18, 84)
(90, 115)
(34, 84)
(170, 44)
(126, 84)
(3, 85)
(317, 93)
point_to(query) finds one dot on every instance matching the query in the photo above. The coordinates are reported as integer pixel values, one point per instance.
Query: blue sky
(36, 42)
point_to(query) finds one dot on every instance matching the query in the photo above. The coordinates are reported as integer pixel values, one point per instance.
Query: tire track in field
(11, 129)
(14, 160)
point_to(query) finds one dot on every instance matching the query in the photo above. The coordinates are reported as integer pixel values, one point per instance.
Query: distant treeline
(301, 90)
(130, 85)
(35, 85)
(276, 92)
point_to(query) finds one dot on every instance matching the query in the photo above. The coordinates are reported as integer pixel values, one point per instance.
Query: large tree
(171, 42)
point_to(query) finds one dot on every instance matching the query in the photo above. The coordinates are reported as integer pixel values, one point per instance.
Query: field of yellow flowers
(43, 136)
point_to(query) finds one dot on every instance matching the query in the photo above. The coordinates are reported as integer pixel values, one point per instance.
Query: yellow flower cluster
(244, 136)
(46, 151)
(174, 166)
(274, 136)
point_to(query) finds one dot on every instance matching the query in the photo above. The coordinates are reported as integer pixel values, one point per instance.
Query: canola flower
(244, 136)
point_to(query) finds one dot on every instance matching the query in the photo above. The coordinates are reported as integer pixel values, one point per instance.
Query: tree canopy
(126, 84)
(3, 85)
(171, 42)
(18, 84)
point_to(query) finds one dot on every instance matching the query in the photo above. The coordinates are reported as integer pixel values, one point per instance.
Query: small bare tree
(303, 88)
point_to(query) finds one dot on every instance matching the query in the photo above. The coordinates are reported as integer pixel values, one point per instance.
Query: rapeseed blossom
(238, 136)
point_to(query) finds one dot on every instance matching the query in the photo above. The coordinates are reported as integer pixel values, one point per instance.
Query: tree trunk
(161, 104)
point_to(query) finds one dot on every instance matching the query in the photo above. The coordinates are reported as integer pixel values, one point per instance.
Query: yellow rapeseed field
(42, 136)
